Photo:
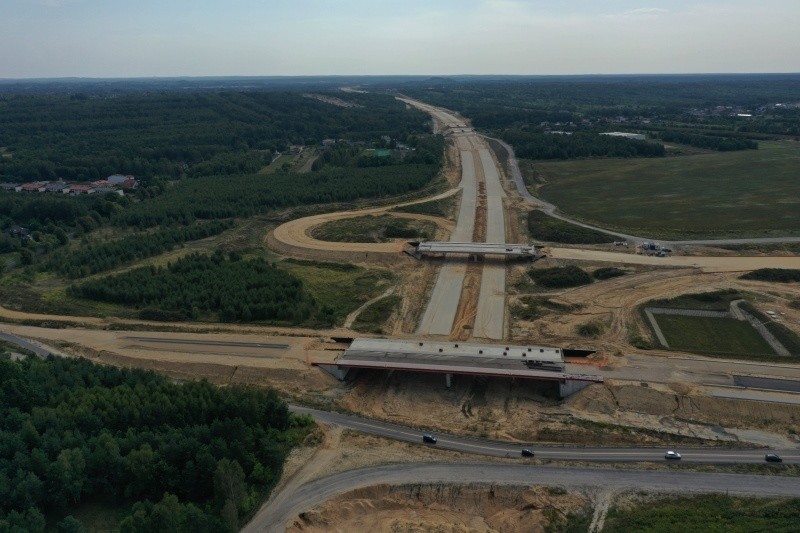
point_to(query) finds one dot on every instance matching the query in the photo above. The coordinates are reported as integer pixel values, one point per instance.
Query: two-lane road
(717, 455)
(277, 513)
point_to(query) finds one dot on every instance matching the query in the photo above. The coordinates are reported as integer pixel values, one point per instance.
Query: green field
(746, 193)
(706, 513)
(372, 319)
(722, 336)
(372, 228)
(343, 288)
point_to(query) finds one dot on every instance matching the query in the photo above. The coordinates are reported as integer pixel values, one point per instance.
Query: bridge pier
(448, 380)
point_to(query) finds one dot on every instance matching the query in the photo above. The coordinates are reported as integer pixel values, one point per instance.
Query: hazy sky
(122, 38)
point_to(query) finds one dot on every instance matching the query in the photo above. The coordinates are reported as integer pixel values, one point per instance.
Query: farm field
(728, 194)
(722, 336)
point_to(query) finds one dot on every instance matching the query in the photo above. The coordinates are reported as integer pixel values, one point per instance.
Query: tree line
(537, 145)
(72, 432)
(212, 286)
(97, 257)
(710, 142)
(218, 197)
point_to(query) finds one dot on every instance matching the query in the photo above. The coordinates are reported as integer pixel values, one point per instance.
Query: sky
(135, 38)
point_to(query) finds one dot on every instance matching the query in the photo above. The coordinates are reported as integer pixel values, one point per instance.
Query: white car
(675, 456)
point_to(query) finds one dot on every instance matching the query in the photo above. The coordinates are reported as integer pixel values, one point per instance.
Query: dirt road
(706, 264)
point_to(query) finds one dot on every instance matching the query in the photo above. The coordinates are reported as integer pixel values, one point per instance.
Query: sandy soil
(452, 509)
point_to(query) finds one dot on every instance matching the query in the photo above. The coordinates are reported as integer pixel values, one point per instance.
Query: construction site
(474, 347)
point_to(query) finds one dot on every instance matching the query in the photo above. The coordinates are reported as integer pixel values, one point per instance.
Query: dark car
(527, 453)
(672, 456)
(430, 439)
(773, 458)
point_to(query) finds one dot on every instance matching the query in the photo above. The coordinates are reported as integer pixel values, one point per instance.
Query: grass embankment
(725, 337)
(707, 301)
(373, 318)
(776, 275)
(437, 208)
(546, 228)
(342, 288)
(745, 193)
(787, 337)
(373, 228)
(706, 513)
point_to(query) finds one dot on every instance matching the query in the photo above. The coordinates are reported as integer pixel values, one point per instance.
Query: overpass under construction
(473, 249)
(540, 363)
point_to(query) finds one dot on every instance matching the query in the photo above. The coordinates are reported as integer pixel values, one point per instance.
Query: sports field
(749, 193)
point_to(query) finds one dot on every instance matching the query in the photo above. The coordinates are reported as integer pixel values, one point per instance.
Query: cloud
(642, 12)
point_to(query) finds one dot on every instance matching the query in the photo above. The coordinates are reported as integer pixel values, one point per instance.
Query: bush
(560, 277)
(608, 273)
(592, 329)
(779, 275)
(543, 227)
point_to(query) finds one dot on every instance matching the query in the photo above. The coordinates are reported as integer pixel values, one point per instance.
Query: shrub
(592, 329)
(608, 273)
(779, 275)
(560, 277)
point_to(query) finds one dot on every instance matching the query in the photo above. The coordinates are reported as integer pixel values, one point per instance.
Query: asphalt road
(750, 382)
(232, 344)
(25, 344)
(280, 511)
(549, 452)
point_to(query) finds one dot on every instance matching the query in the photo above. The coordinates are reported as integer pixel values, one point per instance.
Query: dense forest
(236, 196)
(537, 145)
(179, 456)
(97, 257)
(172, 134)
(198, 285)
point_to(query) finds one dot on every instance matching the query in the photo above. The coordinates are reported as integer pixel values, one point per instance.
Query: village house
(18, 231)
(118, 179)
(57, 187)
(78, 188)
(106, 190)
(34, 186)
(10, 187)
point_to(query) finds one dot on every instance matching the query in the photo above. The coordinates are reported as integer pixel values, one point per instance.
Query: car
(527, 453)
(673, 456)
(430, 439)
(773, 458)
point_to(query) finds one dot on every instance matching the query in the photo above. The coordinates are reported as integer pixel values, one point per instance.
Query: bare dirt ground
(331, 450)
(613, 302)
(445, 508)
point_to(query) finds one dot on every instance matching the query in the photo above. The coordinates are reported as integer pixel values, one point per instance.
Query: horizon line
(463, 75)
